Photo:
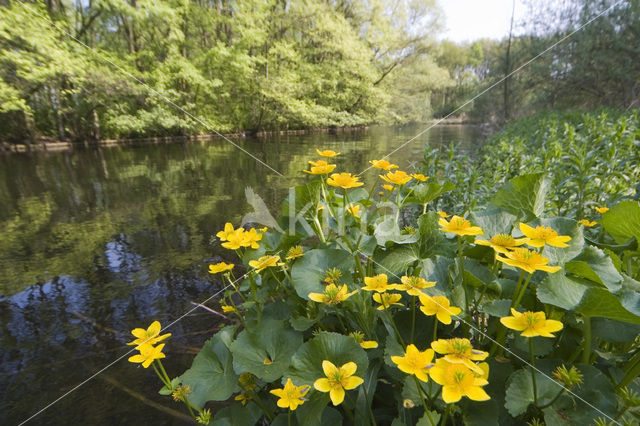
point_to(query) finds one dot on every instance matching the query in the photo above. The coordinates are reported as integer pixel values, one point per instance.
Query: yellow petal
(322, 385)
(277, 392)
(450, 394)
(476, 393)
(441, 346)
(527, 230)
(348, 369)
(282, 403)
(337, 396)
(353, 382)
(328, 368)
(513, 323)
(443, 317)
(316, 297)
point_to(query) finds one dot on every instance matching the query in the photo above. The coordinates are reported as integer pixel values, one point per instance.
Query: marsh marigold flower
(438, 306)
(265, 262)
(415, 362)
(294, 253)
(387, 187)
(148, 354)
(327, 153)
(531, 324)
(320, 167)
(344, 180)
(234, 240)
(220, 267)
(337, 380)
(226, 232)
(250, 238)
(528, 260)
(541, 235)
(501, 243)
(228, 308)
(457, 381)
(460, 351)
(332, 275)
(383, 164)
(587, 222)
(386, 300)
(354, 209)
(378, 283)
(332, 294)
(291, 395)
(365, 344)
(398, 177)
(150, 336)
(414, 285)
(459, 226)
(601, 210)
(420, 177)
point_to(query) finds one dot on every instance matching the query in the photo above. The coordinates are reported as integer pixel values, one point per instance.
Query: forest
(95, 69)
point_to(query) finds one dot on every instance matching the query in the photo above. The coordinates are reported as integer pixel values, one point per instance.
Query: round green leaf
(308, 273)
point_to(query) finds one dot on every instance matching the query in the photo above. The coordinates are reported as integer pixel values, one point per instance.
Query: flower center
(502, 240)
(531, 319)
(460, 346)
(458, 377)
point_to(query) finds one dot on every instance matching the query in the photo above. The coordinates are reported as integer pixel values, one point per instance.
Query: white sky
(473, 19)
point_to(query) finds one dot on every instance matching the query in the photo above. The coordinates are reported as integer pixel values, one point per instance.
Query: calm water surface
(95, 243)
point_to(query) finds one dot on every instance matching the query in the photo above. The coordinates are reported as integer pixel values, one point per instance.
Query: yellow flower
(235, 240)
(338, 380)
(250, 238)
(387, 187)
(398, 177)
(386, 300)
(528, 260)
(501, 243)
(541, 235)
(220, 267)
(415, 362)
(378, 283)
(365, 344)
(265, 262)
(443, 214)
(459, 226)
(407, 403)
(420, 177)
(294, 253)
(332, 294)
(587, 222)
(354, 209)
(438, 306)
(531, 324)
(150, 336)
(460, 351)
(147, 354)
(601, 210)
(414, 285)
(228, 308)
(344, 180)
(224, 234)
(243, 398)
(457, 381)
(327, 153)
(291, 395)
(320, 167)
(383, 164)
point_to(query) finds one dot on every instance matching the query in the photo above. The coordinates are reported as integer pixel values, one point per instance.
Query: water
(95, 243)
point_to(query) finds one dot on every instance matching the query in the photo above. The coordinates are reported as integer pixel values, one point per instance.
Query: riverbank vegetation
(512, 299)
(246, 65)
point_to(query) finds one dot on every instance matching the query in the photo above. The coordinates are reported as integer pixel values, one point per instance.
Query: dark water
(95, 243)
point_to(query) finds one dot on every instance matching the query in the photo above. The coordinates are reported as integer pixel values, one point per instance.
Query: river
(96, 242)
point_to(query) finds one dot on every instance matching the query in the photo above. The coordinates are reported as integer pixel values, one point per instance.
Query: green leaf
(520, 391)
(306, 364)
(272, 340)
(396, 260)
(308, 273)
(433, 241)
(388, 231)
(587, 299)
(622, 221)
(524, 196)
(310, 413)
(211, 376)
(429, 418)
(424, 193)
(237, 415)
(480, 413)
(496, 308)
(596, 266)
(564, 226)
(493, 221)
(614, 331)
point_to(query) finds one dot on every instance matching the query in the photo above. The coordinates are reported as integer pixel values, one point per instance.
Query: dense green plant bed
(353, 310)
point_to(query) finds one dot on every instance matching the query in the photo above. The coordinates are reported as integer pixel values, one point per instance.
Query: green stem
(517, 290)
(413, 316)
(289, 418)
(446, 416)
(366, 397)
(393, 324)
(435, 329)
(190, 410)
(256, 398)
(533, 372)
(494, 270)
(254, 292)
(461, 270)
(516, 302)
(167, 384)
(555, 398)
(424, 403)
(586, 353)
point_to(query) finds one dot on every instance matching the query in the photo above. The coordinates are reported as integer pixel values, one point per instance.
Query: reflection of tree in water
(50, 340)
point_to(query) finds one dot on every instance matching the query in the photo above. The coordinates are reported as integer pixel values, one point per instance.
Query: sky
(473, 19)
